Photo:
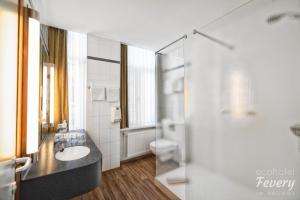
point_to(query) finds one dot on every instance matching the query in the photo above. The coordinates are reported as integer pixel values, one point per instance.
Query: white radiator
(137, 142)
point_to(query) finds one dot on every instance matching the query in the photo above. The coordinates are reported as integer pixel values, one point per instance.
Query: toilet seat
(162, 146)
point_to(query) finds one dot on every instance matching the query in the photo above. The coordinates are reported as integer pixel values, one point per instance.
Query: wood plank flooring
(133, 181)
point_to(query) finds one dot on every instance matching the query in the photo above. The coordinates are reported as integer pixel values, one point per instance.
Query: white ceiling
(149, 24)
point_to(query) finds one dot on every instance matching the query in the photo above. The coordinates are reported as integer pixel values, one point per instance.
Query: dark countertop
(48, 165)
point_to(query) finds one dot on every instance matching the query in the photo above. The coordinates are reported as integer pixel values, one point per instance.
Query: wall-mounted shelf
(172, 69)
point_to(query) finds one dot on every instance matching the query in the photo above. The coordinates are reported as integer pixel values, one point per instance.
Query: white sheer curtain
(141, 87)
(77, 67)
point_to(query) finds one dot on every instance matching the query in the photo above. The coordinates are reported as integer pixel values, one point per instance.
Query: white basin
(72, 153)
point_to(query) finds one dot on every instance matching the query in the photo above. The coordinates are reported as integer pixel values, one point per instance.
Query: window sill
(136, 128)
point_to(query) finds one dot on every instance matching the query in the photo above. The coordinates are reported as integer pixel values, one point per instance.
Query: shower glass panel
(242, 103)
(170, 133)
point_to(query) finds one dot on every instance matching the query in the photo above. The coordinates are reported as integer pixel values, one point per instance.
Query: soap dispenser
(115, 114)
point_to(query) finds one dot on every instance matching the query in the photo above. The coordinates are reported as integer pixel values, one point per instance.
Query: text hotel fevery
(275, 178)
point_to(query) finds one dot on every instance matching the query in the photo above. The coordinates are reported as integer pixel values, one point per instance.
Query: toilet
(163, 148)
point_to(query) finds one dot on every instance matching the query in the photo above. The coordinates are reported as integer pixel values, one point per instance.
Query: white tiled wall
(105, 134)
(103, 48)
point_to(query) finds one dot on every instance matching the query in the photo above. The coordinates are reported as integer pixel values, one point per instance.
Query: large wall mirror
(54, 99)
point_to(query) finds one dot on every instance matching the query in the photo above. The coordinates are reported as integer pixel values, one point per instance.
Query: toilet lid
(162, 143)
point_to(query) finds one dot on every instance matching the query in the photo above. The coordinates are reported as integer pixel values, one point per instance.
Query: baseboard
(137, 158)
(111, 169)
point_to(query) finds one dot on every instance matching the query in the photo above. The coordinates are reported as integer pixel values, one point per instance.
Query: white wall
(171, 103)
(268, 55)
(105, 134)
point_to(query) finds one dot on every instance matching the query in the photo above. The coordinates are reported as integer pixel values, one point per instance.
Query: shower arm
(231, 47)
(183, 37)
(224, 44)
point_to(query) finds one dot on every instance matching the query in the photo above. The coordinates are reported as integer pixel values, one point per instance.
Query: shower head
(277, 17)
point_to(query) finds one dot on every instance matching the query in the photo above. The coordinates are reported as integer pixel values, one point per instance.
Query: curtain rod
(229, 46)
(185, 36)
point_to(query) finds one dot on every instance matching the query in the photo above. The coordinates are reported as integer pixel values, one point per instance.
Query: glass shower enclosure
(170, 127)
(244, 99)
(228, 114)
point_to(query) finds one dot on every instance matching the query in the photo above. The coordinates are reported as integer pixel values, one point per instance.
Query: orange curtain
(57, 41)
(124, 87)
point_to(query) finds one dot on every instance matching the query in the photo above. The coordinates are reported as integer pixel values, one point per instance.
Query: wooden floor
(133, 180)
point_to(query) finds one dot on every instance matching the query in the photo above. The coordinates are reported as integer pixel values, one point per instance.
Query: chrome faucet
(61, 146)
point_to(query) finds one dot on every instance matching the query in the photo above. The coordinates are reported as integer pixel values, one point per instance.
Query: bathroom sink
(72, 153)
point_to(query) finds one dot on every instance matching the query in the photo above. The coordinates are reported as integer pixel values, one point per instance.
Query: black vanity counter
(50, 178)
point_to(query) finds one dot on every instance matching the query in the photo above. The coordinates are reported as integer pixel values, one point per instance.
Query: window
(48, 95)
(141, 87)
(77, 66)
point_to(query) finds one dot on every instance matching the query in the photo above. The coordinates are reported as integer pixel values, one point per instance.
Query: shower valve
(296, 129)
